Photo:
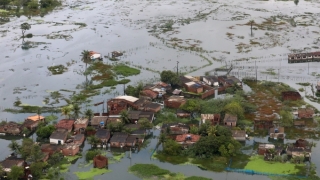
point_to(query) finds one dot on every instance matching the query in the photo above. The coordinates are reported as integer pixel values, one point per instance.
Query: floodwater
(219, 28)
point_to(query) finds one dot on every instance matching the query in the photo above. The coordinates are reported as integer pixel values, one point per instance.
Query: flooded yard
(153, 35)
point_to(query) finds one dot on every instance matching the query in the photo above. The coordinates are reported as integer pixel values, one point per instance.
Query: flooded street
(201, 35)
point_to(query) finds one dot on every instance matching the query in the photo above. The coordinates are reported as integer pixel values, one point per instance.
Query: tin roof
(59, 134)
(65, 124)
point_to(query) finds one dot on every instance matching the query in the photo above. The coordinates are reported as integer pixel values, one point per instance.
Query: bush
(91, 154)
(148, 170)
(30, 35)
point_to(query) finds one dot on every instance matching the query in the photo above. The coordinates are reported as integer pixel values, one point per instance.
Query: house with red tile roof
(187, 139)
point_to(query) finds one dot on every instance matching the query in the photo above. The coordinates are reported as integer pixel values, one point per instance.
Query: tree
(14, 146)
(1, 170)
(192, 105)
(65, 111)
(169, 77)
(172, 148)
(194, 130)
(234, 108)
(55, 158)
(93, 140)
(85, 57)
(44, 132)
(162, 139)
(134, 91)
(251, 23)
(223, 151)
(16, 173)
(115, 126)
(26, 148)
(76, 111)
(296, 2)
(39, 111)
(145, 123)
(88, 113)
(36, 169)
(212, 130)
(286, 118)
(24, 27)
(36, 155)
(124, 116)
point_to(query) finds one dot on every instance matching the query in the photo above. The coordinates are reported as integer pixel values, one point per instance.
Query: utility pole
(103, 107)
(255, 64)
(278, 74)
(177, 68)
(124, 89)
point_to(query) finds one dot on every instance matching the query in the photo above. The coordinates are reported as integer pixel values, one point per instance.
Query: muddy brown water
(124, 25)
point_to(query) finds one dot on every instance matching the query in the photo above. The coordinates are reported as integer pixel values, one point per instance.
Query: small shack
(118, 139)
(291, 96)
(276, 132)
(100, 162)
(263, 148)
(239, 135)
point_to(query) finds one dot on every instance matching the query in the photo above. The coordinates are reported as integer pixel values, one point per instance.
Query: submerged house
(98, 121)
(230, 120)
(193, 87)
(305, 113)
(239, 135)
(175, 128)
(95, 56)
(103, 135)
(10, 128)
(276, 132)
(36, 118)
(187, 139)
(174, 101)
(80, 125)
(118, 139)
(182, 113)
(66, 124)
(264, 148)
(11, 161)
(300, 148)
(210, 80)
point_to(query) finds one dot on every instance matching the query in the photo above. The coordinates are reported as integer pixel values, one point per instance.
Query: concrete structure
(263, 148)
(100, 162)
(70, 149)
(174, 101)
(239, 135)
(193, 87)
(175, 128)
(276, 133)
(213, 119)
(305, 113)
(103, 135)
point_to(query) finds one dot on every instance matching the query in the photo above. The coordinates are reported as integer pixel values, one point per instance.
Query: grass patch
(240, 161)
(125, 71)
(304, 84)
(148, 170)
(59, 69)
(196, 178)
(257, 163)
(92, 173)
(217, 163)
(172, 159)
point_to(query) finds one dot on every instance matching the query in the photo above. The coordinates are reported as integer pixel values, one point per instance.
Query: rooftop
(266, 146)
(185, 137)
(103, 133)
(230, 118)
(176, 98)
(35, 118)
(65, 123)
(238, 133)
(127, 98)
(11, 161)
(59, 134)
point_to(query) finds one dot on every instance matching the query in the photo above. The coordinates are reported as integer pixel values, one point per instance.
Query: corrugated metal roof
(127, 98)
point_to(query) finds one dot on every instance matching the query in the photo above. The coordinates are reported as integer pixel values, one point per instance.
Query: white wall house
(58, 137)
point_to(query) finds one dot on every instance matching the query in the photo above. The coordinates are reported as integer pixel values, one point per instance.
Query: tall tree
(212, 130)
(39, 112)
(4, 3)
(234, 108)
(93, 140)
(286, 118)
(65, 111)
(85, 57)
(16, 173)
(26, 148)
(124, 116)
(296, 2)
(76, 111)
(24, 27)
(36, 155)
(192, 106)
(145, 123)
(36, 169)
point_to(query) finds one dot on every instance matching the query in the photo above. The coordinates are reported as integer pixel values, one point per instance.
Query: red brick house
(66, 124)
(120, 103)
(149, 94)
(80, 125)
(263, 124)
(175, 128)
(11, 161)
(31, 125)
(291, 96)
(182, 114)
(70, 149)
(214, 119)
(305, 112)
(97, 121)
(230, 120)
(174, 102)
(59, 136)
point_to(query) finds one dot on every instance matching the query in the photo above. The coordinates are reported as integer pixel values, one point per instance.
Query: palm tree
(124, 116)
(86, 59)
(88, 113)
(65, 111)
(76, 111)
(296, 2)
(212, 130)
(14, 146)
(251, 23)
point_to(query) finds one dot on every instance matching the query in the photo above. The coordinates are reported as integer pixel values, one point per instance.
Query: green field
(92, 173)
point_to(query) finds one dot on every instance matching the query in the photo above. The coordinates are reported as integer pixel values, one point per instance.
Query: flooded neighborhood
(147, 89)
